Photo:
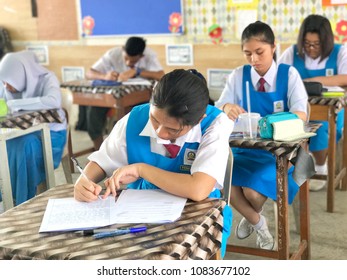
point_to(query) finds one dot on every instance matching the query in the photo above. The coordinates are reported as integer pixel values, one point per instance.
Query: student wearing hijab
(273, 88)
(139, 151)
(26, 85)
(318, 59)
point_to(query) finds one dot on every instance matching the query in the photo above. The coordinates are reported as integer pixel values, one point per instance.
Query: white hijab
(22, 71)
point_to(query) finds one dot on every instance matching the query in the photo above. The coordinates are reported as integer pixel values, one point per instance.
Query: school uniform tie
(261, 85)
(172, 149)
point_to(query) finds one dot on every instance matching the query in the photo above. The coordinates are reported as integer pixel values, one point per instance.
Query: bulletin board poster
(333, 2)
(131, 17)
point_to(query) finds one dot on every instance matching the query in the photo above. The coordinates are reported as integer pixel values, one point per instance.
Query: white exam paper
(132, 206)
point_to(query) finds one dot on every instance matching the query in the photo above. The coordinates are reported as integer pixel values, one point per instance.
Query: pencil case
(266, 123)
(314, 88)
(105, 83)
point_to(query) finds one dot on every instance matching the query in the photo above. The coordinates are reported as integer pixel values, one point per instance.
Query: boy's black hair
(135, 46)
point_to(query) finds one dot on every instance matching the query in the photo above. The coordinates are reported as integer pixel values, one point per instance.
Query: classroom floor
(328, 230)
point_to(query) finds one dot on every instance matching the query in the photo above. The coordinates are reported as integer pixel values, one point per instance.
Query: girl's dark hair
(320, 25)
(183, 94)
(261, 31)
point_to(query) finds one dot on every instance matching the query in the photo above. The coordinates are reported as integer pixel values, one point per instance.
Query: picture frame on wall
(181, 54)
(217, 78)
(41, 53)
(72, 73)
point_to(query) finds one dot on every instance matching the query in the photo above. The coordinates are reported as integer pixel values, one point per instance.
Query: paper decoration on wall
(333, 2)
(341, 29)
(216, 33)
(175, 22)
(88, 24)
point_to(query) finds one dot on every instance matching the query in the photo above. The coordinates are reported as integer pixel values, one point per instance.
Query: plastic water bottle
(3, 107)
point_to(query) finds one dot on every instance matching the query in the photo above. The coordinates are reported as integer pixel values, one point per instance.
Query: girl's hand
(233, 110)
(86, 190)
(122, 176)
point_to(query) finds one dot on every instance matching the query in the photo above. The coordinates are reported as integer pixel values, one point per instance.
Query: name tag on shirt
(329, 72)
(278, 106)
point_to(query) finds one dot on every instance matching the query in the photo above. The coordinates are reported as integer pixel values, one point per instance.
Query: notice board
(131, 17)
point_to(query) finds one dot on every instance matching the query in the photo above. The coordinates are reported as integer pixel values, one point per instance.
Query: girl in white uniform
(254, 171)
(318, 59)
(135, 154)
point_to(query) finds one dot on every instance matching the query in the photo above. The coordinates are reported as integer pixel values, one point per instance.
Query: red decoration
(216, 33)
(175, 21)
(88, 24)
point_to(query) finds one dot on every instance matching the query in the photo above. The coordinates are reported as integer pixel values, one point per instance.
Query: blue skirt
(26, 162)
(320, 141)
(256, 169)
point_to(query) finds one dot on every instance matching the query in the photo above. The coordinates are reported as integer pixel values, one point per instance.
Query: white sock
(261, 222)
(321, 169)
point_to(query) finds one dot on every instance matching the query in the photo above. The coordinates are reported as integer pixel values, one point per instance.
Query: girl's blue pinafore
(320, 141)
(256, 169)
(139, 150)
(27, 167)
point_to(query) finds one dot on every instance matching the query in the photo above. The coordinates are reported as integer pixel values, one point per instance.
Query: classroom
(69, 38)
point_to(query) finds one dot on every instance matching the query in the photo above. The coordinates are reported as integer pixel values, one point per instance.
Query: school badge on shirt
(278, 106)
(329, 72)
(189, 157)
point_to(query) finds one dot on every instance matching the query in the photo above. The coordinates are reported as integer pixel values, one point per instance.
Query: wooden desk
(283, 152)
(324, 108)
(196, 235)
(122, 98)
(20, 124)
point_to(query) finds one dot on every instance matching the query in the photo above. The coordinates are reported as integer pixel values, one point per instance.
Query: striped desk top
(197, 234)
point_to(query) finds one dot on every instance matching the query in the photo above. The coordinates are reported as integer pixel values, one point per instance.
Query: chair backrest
(67, 164)
(228, 177)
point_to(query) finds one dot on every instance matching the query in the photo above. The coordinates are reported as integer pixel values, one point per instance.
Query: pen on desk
(116, 232)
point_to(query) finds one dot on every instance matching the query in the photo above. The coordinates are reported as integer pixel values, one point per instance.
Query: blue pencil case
(105, 83)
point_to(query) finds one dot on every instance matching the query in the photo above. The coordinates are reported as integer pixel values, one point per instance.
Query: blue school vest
(331, 65)
(256, 169)
(263, 102)
(320, 141)
(139, 148)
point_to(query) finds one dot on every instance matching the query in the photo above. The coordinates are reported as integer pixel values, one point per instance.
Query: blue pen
(118, 232)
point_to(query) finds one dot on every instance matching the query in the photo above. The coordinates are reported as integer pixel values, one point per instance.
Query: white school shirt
(48, 96)
(315, 64)
(211, 157)
(232, 92)
(113, 60)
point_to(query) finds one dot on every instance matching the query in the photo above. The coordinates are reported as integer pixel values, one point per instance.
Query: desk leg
(5, 181)
(282, 207)
(305, 222)
(344, 147)
(331, 159)
(48, 157)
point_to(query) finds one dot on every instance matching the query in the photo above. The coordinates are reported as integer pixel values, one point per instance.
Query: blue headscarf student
(317, 58)
(135, 154)
(254, 171)
(26, 85)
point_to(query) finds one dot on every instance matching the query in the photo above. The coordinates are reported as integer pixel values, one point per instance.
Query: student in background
(26, 85)
(136, 151)
(273, 88)
(132, 60)
(318, 59)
